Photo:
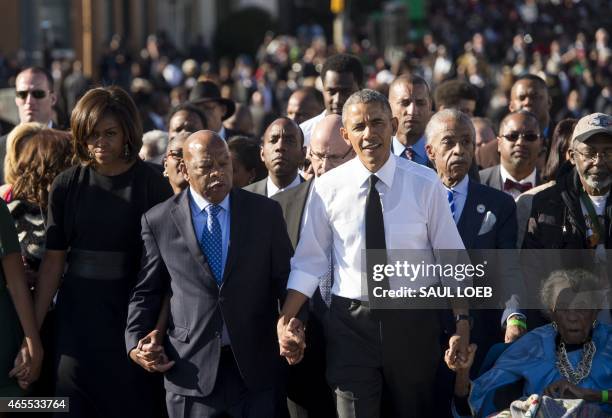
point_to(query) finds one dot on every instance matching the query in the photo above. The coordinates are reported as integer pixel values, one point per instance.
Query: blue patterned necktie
(451, 201)
(211, 242)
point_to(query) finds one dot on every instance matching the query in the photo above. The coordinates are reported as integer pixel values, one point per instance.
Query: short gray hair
(577, 280)
(157, 138)
(366, 96)
(436, 120)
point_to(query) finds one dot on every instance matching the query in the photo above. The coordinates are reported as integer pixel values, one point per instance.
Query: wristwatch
(463, 317)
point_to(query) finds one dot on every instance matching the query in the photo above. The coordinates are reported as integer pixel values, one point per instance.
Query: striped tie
(451, 201)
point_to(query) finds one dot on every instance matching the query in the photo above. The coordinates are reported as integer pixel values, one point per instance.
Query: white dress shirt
(272, 189)
(415, 212)
(513, 192)
(460, 192)
(308, 125)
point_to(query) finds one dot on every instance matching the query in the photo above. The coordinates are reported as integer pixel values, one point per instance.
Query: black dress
(100, 215)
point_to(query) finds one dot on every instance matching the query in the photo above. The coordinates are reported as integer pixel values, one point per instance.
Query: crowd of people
(192, 242)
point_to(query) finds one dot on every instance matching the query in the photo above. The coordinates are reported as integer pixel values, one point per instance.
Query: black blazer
(499, 230)
(2, 156)
(254, 282)
(492, 177)
(488, 222)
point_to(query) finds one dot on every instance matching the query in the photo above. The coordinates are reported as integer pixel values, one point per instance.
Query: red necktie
(521, 187)
(409, 153)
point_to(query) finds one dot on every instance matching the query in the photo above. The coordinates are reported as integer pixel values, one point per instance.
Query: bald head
(327, 147)
(208, 165)
(304, 104)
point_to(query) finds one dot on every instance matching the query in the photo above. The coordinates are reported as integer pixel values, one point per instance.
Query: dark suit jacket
(2, 156)
(492, 177)
(254, 282)
(502, 235)
(478, 233)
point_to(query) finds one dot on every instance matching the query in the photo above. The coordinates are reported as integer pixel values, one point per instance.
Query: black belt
(345, 303)
(98, 265)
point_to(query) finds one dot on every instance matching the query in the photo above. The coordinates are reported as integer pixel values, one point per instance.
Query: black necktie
(375, 237)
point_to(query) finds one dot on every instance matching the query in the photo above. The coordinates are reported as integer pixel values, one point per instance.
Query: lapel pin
(480, 208)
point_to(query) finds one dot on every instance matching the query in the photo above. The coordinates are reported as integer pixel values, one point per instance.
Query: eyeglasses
(592, 155)
(514, 136)
(176, 154)
(331, 158)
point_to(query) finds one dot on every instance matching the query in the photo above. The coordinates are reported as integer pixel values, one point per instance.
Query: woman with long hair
(93, 227)
(21, 351)
(40, 159)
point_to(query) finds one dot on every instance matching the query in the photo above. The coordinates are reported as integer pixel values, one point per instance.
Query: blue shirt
(199, 217)
(420, 156)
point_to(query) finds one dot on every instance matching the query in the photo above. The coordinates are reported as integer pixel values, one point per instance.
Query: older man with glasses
(575, 212)
(35, 99)
(519, 143)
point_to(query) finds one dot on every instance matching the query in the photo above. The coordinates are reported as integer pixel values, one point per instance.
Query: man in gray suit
(282, 151)
(223, 256)
(519, 143)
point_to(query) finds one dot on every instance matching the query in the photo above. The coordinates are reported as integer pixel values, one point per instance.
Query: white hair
(433, 127)
(157, 138)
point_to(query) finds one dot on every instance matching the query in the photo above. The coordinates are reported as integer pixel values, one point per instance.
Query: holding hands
(291, 339)
(27, 363)
(150, 353)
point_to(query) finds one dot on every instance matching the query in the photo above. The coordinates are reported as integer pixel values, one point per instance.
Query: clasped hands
(291, 339)
(150, 353)
(27, 364)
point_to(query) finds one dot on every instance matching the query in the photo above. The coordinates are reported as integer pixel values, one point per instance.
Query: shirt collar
(199, 202)
(385, 174)
(418, 147)
(461, 187)
(272, 188)
(531, 178)
(222, 132)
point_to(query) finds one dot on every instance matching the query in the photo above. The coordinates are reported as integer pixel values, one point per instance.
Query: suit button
(217, 334)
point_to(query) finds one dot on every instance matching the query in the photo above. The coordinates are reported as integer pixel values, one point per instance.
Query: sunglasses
(514, 136)
(37, 94)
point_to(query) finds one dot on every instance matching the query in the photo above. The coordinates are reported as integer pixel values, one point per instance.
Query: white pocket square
(487, 223)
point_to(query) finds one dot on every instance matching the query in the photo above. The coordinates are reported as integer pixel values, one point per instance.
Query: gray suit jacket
(254, 283)
(293, 203)
(259, 187)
